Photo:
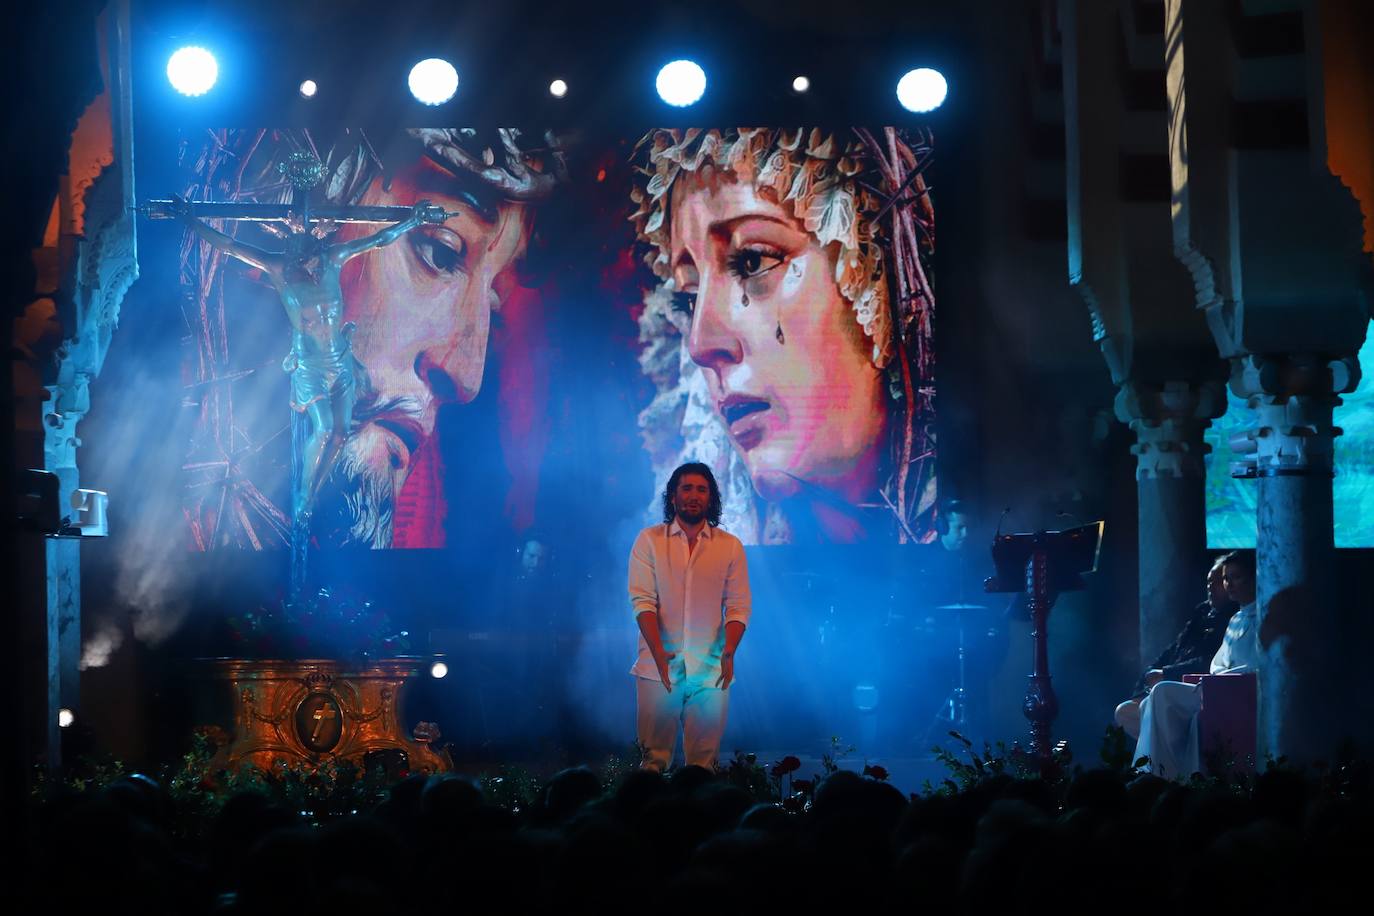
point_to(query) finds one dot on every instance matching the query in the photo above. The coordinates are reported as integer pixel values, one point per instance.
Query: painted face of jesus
(786, 363)
(423, 308)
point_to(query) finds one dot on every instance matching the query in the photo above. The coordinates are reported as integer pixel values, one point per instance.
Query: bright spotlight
(681, 83)
(558, 89)
(922, 90)
(438, 669)
(308, 89)
(65, 718)
(801, 84)
(433, 81)
(192, 71)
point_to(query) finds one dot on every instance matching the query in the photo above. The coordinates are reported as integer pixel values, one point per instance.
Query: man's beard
(691, 517)
(358, 504)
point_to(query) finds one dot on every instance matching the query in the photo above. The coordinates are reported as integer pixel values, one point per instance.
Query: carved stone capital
(1169, 422)
(1292, 397)
(68, 402)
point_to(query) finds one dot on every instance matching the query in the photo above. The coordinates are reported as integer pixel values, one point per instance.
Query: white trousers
(696, 705)
(1168, 730)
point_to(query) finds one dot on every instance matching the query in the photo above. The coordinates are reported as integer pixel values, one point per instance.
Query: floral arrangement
(322, 625)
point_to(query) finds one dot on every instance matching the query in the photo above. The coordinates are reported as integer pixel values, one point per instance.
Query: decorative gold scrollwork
(313, 711)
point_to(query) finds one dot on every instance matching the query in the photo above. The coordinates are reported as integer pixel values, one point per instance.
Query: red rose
(876, 772)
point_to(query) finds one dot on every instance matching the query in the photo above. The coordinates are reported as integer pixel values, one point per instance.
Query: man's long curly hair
(712, 508)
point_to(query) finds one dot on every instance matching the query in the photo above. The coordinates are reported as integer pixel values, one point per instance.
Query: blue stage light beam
(681, 83)
(192, 71)
(433, 81)
(922, 90)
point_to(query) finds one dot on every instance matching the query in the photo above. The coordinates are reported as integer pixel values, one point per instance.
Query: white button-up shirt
(694, 594)
(1240, 648)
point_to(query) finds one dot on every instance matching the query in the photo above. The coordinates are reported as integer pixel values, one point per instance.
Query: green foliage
(828, 759)
(965, 775)
(330, 789)
(323, 625)
(617, 766)
(1117, 750)
(514, 788)
(89, 774)
(197, 788)
(745, 771)
(996, 761)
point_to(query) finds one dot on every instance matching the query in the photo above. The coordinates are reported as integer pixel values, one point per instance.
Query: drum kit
(952, 714)
(918, 643)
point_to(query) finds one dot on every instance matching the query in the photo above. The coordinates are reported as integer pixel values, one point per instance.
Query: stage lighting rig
(308, 89)
(433, 81)
(192, 70)
(922, 90)
(438, 669)
(39, 509)
(558, 89)
(89, 511)
(801, 84)
(681, 83)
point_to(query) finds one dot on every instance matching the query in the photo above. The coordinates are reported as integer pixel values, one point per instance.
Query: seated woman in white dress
(1168, 720)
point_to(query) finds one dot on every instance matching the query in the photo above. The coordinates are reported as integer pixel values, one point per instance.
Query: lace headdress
(863, 192)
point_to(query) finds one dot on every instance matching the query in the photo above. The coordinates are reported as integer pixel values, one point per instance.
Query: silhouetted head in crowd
(568, 792)
(637, 790)
(449, 799)
(690, 778)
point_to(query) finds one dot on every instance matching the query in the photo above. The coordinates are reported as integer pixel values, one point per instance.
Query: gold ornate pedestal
(314, 711)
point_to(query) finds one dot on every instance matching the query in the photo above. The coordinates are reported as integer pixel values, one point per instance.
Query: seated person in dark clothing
(955, 572)
(1190, 653)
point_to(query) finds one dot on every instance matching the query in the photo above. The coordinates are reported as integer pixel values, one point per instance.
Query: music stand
(1044, 564)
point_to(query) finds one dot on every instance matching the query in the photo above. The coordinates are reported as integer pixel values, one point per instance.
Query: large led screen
(587, 313)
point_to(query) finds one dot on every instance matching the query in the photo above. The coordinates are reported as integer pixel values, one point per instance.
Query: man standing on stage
(689, 587)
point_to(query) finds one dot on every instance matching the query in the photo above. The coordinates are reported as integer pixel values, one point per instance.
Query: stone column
(1170, 486)
(85, 265)
(1290, 452)
(68, 403)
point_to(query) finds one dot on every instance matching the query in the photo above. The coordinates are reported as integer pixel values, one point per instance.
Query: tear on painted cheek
(792, 281)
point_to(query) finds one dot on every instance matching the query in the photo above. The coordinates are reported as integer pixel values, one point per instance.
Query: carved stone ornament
(1293, 397)
(1169, 422)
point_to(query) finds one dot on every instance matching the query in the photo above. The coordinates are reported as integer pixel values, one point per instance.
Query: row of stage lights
(193, 71)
